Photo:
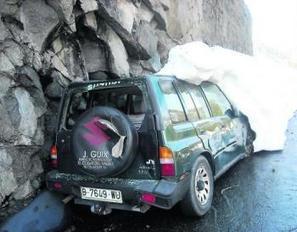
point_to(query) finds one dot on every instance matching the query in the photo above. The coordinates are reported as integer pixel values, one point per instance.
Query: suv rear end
(148, 179)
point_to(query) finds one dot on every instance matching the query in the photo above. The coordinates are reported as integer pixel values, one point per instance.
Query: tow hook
(100, 209)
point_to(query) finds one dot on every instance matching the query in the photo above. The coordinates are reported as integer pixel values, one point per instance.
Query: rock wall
(45, 45)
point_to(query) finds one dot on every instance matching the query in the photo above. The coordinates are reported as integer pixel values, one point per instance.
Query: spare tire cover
(103, 141)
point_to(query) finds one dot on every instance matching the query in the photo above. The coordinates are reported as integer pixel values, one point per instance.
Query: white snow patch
(265, 91)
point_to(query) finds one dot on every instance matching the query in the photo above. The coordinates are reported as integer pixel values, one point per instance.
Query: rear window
(174, 106)
(129, 100)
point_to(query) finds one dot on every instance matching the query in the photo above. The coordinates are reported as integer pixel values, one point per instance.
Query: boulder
(23, 191)
(8, 183)
(30, 80)
(120, 16)
(65, 57)
(5, 64)
(118, 57)
(95, 55)
(146, 37)
(165, 43)
(10, 7)
(90, 21)
(64, 9)
(28, 117)
(4, 32)
(14, 53)
(39, 20)
(88, 6)
(159, 12)
(54, 89)
(144, 13)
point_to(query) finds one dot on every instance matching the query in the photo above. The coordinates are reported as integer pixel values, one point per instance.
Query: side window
(188, 102)
(200, 103)
(173, 103)
(219, 104)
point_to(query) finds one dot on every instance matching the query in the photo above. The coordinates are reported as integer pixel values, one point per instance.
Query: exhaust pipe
(100, 210)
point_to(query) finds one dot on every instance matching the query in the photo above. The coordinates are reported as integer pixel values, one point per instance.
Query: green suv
(153, 141)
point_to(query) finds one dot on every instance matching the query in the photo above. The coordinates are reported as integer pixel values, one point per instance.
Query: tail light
(166, 161)
(54, 156)
(148, 198)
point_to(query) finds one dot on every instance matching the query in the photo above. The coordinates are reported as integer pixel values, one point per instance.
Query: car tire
(198, 199)
(103, 142)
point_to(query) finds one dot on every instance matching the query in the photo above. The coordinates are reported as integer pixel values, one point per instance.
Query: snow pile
(263, 90)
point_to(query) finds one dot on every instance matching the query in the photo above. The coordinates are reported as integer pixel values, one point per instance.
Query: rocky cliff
(45, 45)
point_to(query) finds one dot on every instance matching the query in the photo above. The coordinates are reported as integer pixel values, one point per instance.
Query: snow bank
(263, 90)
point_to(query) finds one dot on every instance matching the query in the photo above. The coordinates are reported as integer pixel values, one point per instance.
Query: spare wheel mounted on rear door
(103, 142)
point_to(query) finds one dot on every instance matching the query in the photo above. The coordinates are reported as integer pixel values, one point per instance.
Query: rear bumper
(167, 193)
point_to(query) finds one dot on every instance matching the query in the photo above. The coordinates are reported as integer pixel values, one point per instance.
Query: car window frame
(199, 89)
(207, 102)
(180, 100)
(183, 101)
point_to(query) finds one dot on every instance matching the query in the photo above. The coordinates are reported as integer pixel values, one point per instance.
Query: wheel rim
(202, 185)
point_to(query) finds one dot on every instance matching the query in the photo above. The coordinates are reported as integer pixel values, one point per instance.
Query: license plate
(97, 194)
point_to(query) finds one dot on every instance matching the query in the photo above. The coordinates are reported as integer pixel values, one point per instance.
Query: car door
(223, 114)
(208, 128)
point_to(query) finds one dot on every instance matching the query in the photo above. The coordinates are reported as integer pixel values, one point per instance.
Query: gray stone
(123, 12)
(118, 56)
(160, 14)
(23, 191)
(54, 89)
(14, 53)
(28, 122)
(144, 13)
(146, 37)
(4, 32)
(9, 7)
(5, 64)
(73, 61)
(57, 45)
(6, 83)
(120, 15)
(165, 43)
(66, 58)
(64, 82)
(88, 5)
(8, 182)
(90, 21)
(31, 81)
(95, 56)
(8, 134)
(39, 20)
(227, 25)
(36, 168)
(64, 9)
(35, 184)
(11, 108)
(57, 64)
(22, 157)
